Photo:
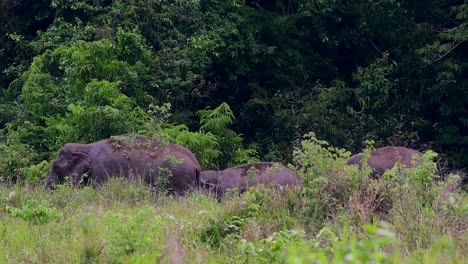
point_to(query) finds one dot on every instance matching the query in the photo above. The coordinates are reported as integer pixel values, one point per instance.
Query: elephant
(386, 158)
(131, 156)
(270, 174)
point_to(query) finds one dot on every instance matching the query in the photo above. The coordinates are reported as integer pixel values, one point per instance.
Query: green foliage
(270, 249)
(347, 248)
(101, 112)
(374, 85)
(15, 157)
(120, 189)
(249, 217)
(389, 71)
(204, 145)
(130, 234)
(399, 196)
(350, 71)
(61, 32)
(445, 91)
(316, 157)
(19, 22)
(80, 93)
(36, 212)
(215, 145)
(332, 189)
(328, 184)
(120, 223)
(215, 122)
(329, 248)
(58, 77)
(38, 172)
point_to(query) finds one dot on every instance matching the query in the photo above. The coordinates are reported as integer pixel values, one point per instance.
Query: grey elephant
(386, 158)
(243, 176)
(131, 156)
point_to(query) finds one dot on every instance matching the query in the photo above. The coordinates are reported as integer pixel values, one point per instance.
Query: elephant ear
(81, 167)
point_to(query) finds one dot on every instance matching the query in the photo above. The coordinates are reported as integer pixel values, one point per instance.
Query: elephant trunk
(51, 181)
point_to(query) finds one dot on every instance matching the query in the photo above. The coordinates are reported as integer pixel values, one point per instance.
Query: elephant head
(72, 162)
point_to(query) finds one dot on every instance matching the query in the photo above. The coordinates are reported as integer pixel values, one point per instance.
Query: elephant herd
(137, 157)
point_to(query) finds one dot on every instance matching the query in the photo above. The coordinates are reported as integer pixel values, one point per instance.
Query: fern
(216, 120)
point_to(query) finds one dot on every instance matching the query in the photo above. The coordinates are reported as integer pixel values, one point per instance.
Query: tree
(445, 88)
(83, 92)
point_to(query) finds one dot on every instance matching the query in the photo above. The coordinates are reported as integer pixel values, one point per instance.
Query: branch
(377, 48)
(446, 53)
(451, 29)
(6, 9)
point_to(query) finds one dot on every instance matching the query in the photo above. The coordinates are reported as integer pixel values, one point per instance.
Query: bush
(134, 233)
(214, 145)
(327, 182)
(35, 212)
(15, 156)
(254, 215)
(346, 247)
(37, 173)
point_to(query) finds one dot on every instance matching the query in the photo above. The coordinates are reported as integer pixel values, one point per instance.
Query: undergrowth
(339, 215)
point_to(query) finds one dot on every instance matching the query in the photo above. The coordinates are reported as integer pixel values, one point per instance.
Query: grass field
(338, 216)
(128, 223)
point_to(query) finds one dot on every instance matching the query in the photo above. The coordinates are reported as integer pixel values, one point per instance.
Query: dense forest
(304, 83)
(232, 80)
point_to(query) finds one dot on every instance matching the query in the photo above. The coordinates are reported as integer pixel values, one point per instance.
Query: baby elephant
(385, 158)
(244, 176)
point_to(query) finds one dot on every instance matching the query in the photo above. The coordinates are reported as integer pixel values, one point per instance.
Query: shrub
(35, 212)
(333, 191)
(254, 215)
(15, 156)
(215, 145)
(37, 173)
(378, 246)
(133, 233)
(327, 181)
(122, 191)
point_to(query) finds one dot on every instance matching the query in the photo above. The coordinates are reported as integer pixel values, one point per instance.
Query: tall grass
(339, 215)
